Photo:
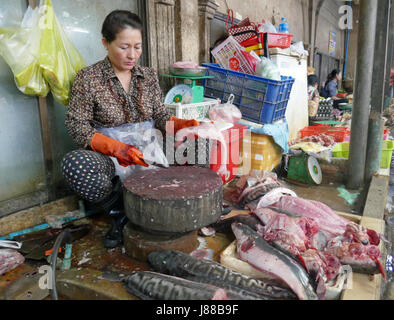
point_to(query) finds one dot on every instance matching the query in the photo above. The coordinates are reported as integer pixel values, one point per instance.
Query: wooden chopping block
(177, 199)
(138, 244)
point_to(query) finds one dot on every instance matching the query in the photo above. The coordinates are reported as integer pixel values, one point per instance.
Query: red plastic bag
(252, 59)
(241, 31)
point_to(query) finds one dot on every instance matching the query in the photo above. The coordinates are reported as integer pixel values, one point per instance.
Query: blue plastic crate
(260, 100)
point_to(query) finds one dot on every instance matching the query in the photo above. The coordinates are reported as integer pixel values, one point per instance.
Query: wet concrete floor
(90, 259)
(328, 194)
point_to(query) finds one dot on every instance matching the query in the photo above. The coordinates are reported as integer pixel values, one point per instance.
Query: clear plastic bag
(20, 47)
(226, 112)
(299, 48)
(267, 26)
(267, 69)
(143, 136)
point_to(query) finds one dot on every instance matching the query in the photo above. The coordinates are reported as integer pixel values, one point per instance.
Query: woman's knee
(88, 173)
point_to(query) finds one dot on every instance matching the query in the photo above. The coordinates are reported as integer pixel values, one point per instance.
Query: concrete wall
(353, 38)
(187, 30)
(328, 20)
(296, 13)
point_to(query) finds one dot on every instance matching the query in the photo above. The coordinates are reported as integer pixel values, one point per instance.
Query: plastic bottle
(284, 26)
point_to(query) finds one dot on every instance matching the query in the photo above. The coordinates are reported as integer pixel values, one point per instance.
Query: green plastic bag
(20, 47)
(59, 59)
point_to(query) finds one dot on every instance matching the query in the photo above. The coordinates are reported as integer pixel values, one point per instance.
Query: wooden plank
(36, 215)
(364, 286)
(46, 144)
(46, 134)
(352, 217)
(377, 197)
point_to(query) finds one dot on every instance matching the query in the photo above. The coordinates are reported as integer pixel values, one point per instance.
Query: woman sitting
(313, 95)
(331, 87)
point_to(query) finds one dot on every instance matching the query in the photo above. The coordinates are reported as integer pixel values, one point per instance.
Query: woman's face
(125, 51)
(339, 76)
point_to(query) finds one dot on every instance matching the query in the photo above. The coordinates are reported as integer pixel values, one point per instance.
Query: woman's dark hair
(118, 20)
(312, 80)
(332, 75)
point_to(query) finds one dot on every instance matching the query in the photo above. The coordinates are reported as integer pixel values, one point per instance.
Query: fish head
(240, 230)
(357, 233)
(244, 235)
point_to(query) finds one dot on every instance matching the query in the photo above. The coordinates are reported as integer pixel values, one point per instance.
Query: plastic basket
(341, 150)
(260, 100)
(387, 152)
(198, 111)
(229, 55)
(338, 133)
(275, 40)
(279, 40)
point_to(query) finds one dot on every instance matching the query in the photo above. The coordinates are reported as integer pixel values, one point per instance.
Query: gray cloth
(332, 88)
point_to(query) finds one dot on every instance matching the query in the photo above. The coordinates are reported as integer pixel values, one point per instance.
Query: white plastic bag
(267, 26)
(299, 48)
(143, 136)
(267, 69)
(226, 112)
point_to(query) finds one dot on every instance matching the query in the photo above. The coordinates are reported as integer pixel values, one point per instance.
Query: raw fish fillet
(252, 248)
(9, 260)
(329, 221)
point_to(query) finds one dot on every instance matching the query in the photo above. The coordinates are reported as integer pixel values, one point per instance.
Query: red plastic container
(339, 133)
(233, 137)
(275, 40)
(279, 40)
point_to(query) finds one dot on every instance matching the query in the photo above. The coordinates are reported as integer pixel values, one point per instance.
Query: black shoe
(113, 200)
(114, 236)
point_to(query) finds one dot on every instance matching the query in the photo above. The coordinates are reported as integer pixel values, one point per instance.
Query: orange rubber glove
(124, 153)
(181, 124)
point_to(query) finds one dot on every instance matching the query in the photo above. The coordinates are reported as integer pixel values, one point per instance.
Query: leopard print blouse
(99, 100)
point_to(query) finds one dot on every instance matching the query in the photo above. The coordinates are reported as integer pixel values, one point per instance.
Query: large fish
(183, 265)
(329, 221)
(252, 248)
(353, 245)
(149, 285)
(361, 258)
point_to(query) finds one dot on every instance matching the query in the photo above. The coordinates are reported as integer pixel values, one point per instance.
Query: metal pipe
(362, 95)
(349, 3)
(375, 128)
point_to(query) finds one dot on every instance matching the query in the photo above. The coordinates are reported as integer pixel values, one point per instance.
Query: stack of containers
(260, 100)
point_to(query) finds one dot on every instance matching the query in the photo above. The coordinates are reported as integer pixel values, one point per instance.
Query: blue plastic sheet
(278, 131)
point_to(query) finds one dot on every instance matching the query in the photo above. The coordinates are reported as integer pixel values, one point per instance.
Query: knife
(157, 165)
